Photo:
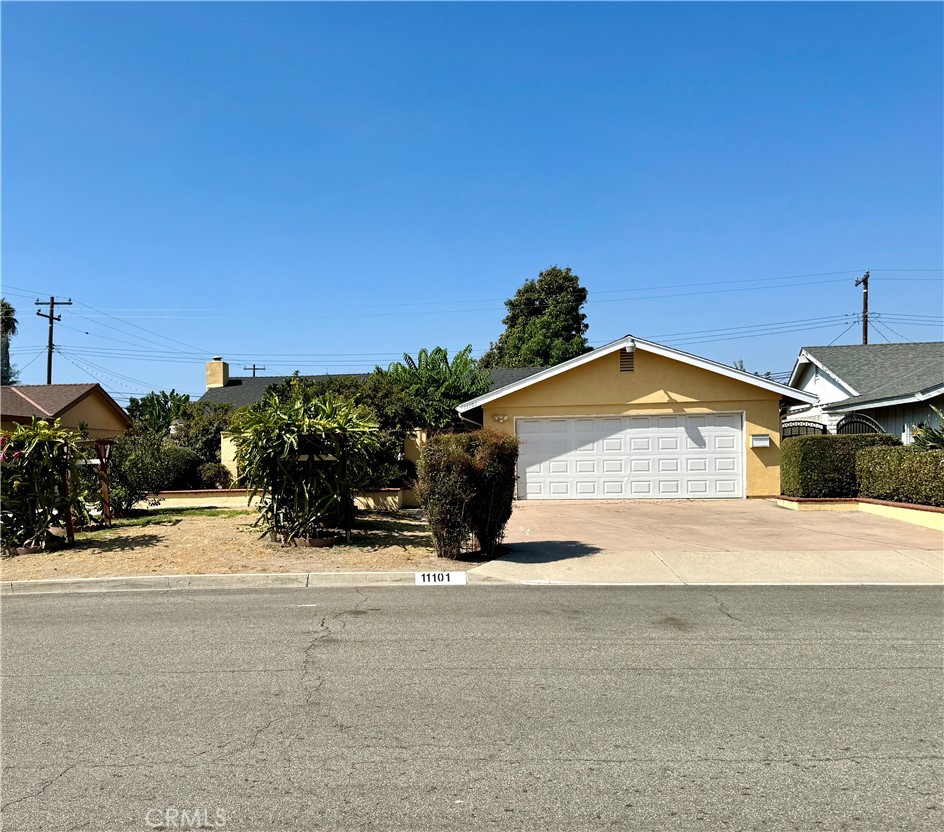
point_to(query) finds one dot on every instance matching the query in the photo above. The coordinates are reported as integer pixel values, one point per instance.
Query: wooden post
(102, 449)
(65, 490)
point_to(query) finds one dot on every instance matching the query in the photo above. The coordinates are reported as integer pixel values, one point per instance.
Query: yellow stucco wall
(228, 454)
(102, 420)
(658, 385)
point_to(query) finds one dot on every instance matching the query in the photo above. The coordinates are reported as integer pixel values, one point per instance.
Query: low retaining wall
(383, 499)
(931, 517)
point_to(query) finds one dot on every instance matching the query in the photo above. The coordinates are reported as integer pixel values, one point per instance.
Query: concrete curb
(267, 580)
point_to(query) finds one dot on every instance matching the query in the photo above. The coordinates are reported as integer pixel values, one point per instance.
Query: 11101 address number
(440, 578)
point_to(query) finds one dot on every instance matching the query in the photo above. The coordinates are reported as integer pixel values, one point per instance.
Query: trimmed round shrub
(214, 475)
(825, 465)
(467, 484)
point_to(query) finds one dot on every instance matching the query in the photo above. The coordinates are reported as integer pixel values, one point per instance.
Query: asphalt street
(475, 707)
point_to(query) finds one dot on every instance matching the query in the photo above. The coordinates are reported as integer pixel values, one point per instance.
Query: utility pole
(253, 368)
(53, 317)
(864, 283)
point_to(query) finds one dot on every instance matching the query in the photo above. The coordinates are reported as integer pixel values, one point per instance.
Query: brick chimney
(217, 372)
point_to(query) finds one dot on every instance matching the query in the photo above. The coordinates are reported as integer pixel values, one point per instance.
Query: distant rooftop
(242, 391)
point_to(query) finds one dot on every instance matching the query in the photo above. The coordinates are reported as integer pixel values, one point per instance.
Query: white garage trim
(699, 470)
(631, 344)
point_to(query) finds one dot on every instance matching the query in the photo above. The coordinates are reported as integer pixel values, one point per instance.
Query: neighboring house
(72, 404)
(638, 420)
(893, 385)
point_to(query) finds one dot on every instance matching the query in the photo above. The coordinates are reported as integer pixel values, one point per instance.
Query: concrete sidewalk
(904, 566)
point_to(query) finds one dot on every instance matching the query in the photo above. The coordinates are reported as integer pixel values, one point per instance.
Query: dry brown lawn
(195, 541)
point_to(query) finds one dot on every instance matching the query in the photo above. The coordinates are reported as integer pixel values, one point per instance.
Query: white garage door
(607, 458)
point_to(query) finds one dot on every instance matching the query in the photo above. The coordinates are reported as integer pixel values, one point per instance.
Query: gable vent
(627, 361)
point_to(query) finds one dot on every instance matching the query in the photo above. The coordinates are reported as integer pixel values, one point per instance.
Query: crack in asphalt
(42, 788)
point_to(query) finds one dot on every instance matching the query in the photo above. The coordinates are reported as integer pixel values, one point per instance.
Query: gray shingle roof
(883, 371)
(243, 391)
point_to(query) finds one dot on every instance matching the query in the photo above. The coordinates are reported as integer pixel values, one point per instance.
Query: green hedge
(825, 465)
(466, 484)
(903, 475)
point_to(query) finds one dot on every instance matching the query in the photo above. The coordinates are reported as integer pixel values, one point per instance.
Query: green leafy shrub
(214, 475)
(927, 437)
(180, 467)
(142, 466)
(902, 475)
(467, 484)
(305, 458)
(38, 463)
(825, 465)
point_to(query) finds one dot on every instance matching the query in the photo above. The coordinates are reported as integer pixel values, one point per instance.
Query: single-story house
(639, 420)
(889, 386)
(72, 404)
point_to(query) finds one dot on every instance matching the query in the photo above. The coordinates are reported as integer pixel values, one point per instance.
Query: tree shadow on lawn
(546, 551)
(385, 531)
(115, 543)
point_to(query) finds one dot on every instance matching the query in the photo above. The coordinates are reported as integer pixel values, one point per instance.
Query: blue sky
(326, 186)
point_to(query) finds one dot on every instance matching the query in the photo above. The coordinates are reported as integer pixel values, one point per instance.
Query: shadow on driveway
(547, 551)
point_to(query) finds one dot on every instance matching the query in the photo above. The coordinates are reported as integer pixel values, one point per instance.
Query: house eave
(892, 401)
(630, 342)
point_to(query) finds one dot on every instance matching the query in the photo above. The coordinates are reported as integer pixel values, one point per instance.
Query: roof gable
(879, 371)
(632, 343)
(50, 401)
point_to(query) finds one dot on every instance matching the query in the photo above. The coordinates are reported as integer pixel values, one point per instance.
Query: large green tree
(8, 325)
(545, 323)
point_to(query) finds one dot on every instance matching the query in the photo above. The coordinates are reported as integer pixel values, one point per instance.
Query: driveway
(706, 541)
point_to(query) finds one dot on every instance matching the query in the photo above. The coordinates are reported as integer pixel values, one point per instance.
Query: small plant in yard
(38, 468)
(928, 437)
(467, 484)
(305, 457)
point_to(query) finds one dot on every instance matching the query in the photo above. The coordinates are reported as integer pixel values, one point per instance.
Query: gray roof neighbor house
(241, 391)
(895, 384)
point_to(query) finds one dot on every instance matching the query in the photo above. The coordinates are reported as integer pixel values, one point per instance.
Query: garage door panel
(631, 457)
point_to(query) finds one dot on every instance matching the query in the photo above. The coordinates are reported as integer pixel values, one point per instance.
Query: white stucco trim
(632, 343)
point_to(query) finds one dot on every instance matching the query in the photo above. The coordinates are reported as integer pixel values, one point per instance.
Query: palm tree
(8, 327)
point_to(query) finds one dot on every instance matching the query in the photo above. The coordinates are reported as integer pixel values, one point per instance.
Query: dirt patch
(186, 544)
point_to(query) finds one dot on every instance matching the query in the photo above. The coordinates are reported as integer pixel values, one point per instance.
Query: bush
(306, 457)
(825, 466)
(466, 484)
(214, 475)
(38, 461)
(902, 475)
(141, 465)
(180, 467)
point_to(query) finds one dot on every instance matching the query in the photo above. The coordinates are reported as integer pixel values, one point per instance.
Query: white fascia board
(730, 372)
(806, 358)
(629, 342)
(549, 372)
(913, 398)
